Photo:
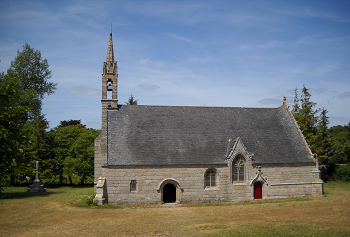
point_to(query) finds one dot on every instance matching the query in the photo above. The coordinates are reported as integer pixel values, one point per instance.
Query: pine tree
(323, 141)
(296, 106)
(306, 116)
(131, 101)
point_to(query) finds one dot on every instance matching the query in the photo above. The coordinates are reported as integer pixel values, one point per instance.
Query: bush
(328, 171)
(342, 173)
(90, 200)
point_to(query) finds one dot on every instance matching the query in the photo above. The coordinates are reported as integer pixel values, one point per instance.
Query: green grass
(63, 212)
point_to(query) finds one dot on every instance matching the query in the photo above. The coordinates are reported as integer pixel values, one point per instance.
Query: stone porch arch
(178, 186)
(258, 184)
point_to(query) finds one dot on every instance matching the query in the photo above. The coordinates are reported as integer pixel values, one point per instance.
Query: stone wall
(291, 180)
(281, 181)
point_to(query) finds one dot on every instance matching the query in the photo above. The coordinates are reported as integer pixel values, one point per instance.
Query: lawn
(61, 212)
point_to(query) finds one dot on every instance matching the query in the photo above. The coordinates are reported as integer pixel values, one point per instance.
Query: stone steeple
(110, 52)
(109, 102)
(110, 76)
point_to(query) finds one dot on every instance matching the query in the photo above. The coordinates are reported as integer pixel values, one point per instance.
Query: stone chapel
(180, 154)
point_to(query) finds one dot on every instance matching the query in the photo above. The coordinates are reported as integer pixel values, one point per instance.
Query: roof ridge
(198, 106)
(299, 130)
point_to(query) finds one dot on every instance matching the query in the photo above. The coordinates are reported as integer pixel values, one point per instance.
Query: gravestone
(36, 186)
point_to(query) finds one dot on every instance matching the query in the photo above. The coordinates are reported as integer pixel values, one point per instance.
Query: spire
(110, 74)
(110, 52)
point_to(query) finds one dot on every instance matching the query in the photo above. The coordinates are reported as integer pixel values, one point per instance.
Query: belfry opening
(169, 193)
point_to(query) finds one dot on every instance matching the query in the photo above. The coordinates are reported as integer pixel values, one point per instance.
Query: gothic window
(238, 170)
(210, 177)
(133, 186)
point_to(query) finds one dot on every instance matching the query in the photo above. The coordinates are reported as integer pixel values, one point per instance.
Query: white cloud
(193, 58)
(174, 36)
(144, 61)
(158, 64)
(148, 87)
(321, 90)
(344, 95)
(83, 90)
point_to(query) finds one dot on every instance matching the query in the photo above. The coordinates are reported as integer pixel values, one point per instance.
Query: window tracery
(238, 169)
(210, 178)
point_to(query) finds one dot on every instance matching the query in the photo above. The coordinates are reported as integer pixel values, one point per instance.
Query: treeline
(63, 152)
(331, 145)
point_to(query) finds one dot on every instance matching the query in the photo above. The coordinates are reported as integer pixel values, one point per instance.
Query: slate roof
(178, 135)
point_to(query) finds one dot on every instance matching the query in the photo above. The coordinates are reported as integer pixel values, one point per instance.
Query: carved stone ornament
(258, 174)
(238, 148)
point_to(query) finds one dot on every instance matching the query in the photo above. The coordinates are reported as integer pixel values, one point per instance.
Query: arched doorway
(169, 193)
(258, 190)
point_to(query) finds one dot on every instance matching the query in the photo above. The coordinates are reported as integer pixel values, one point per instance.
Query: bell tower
(110, 78)
(109, 102)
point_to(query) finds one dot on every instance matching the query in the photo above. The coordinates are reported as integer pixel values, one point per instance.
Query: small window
(210, 178)
(238, 171)
(133, 186)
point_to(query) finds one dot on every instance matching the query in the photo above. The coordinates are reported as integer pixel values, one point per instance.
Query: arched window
(238, 170)
(210, 176)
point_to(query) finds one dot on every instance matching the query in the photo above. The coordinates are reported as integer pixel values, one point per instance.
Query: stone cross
(36, 186)
(36, 170)
(316, 161)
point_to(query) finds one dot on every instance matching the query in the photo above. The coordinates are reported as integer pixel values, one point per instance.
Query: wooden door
(258, 190)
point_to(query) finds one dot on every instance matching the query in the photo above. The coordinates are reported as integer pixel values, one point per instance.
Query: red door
(258, 190)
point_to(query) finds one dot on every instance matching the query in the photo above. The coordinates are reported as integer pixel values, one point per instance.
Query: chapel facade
(181, 154)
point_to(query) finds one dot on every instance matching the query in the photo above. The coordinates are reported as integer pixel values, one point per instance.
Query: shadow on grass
(20, 195)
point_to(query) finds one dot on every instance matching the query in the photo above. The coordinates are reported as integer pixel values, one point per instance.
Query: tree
(13, 139)
(66, 123)
(75, 151)
(82, 152)
(27, 76)
(64, 138)
(41, 147)
(296, 106)
(305, 115)
(341, 143)
(324, 142)
(131, 101)
(31, 73)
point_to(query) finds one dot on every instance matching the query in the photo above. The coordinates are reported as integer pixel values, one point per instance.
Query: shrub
(90, 200)
(342, 173)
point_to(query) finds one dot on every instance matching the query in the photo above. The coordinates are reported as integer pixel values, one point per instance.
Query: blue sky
(196, 53)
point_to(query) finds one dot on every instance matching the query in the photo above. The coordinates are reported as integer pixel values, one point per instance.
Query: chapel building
(181, 154)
